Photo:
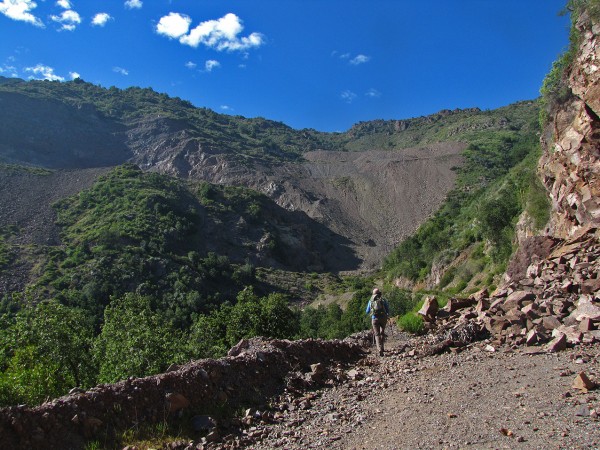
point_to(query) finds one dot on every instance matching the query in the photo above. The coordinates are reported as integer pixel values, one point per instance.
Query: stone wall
(254, 371)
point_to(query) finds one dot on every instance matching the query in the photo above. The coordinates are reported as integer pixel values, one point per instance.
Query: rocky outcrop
(570, 166)
(254, 371)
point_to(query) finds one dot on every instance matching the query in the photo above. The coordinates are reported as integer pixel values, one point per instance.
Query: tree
(45, 351)
(135, 340)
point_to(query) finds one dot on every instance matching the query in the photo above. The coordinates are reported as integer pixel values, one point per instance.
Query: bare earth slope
(374, 198)
(26, 203)
(26, 200)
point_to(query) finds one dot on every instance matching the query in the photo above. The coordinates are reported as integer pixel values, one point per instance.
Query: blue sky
(323, 64)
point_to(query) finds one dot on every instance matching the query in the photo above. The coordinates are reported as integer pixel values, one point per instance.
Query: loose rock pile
(554, 305)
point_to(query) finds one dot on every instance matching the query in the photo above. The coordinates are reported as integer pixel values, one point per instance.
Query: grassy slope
(471, 234)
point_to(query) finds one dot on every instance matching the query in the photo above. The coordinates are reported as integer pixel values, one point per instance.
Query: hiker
(379, 309)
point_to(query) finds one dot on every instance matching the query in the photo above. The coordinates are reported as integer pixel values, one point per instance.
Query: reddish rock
(559, 343)
(590, 286)
(176, 402)
(573, 335)
(454, 304)
(586, 308)
(516, 300)
(550, 322)
(429, 309)
(583, 383)
(586, 324)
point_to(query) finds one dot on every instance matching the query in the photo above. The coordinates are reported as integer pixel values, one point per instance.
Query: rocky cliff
(551, 288)
(570, 167)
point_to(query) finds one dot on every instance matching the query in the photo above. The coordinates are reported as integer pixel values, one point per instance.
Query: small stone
(583, 383)
(582, 411)
(317, 369)
(176, 401)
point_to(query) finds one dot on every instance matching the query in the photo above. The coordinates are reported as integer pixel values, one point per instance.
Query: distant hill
(372, 185)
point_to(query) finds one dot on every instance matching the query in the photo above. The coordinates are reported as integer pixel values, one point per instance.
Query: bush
(411, 323)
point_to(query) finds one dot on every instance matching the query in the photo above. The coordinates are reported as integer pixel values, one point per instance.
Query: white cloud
(74, 75)
(46, 73)
(9, 71)
(211, 64)
(68, 19)
(174, 25)
(101, 19)
(359, 59)
(20, 10)
(373, 93)
(120, 70)
(226, 108)
(133, 4)
(191, 65)
(66, 4)
(221, 34)
(348, 96)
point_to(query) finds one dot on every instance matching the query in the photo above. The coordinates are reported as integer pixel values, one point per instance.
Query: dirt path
(472, 399)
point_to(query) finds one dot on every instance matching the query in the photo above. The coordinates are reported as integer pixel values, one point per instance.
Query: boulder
(483, 304)
(454, 304)
(586, 324)
(551, 322)
(429, 309)
(590, 286)
(203, 423)
(176, 402)
(517, 300)
(559, 343)
(533, 337)
(586, 308)
(572, 334)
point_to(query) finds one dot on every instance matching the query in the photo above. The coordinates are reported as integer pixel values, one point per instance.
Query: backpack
(378, 306)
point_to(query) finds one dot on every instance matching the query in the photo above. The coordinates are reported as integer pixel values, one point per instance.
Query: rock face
(570, 166)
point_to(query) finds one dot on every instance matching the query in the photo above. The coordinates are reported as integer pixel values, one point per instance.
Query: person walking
(379, 309)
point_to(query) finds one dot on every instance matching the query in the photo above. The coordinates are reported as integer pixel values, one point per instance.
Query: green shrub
(411, 323)
(538, 204)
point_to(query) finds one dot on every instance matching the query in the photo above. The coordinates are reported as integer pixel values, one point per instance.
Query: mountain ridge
(79, 125)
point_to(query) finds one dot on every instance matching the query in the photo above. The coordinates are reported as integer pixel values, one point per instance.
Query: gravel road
(509, 398)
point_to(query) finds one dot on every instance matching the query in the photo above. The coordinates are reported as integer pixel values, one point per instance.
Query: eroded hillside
(372, 185)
